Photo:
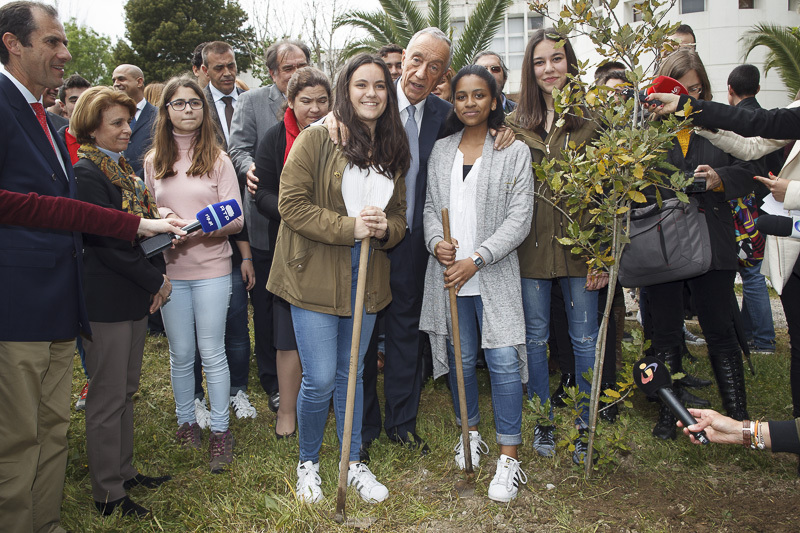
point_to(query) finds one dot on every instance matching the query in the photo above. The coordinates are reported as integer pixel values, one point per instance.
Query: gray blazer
(504, 200)
(256, 112)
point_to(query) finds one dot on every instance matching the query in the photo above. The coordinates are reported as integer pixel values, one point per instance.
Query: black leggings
(713, 298)
(790, 298)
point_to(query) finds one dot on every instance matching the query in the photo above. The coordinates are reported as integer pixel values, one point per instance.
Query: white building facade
(718, 25)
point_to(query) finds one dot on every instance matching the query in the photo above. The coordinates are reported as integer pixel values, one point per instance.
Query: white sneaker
(476, 448)
(691, 338)
(308, 482)
(370, 489)
(505, 484)
(201, 413)
(242, 406)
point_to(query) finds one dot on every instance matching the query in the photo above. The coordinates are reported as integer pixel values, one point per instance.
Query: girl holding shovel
(489, 196)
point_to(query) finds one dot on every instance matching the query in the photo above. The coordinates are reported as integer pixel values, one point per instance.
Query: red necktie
(40, 116)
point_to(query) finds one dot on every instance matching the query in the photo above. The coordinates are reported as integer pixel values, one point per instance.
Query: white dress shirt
(463, 216)
(403, 104)
(220, 106)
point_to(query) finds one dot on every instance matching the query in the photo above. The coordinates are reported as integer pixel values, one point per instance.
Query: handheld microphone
(653, 378)
(779, 226)
(211, 218)
(665, 84)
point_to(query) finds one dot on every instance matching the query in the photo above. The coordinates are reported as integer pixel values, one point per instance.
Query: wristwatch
(478, 260)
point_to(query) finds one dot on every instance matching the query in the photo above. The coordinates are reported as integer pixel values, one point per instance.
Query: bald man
(130, 80)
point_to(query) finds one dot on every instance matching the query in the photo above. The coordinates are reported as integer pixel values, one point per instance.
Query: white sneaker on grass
(505, 484)
(308, 482)
(201, 413)
(476, 448)
(370, 489)
(242, 406)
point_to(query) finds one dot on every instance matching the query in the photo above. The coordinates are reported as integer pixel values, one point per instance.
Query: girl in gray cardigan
(489, 196)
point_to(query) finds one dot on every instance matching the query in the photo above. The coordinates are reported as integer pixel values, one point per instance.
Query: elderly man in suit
(41, 303)
(256, 112)
(130, 79)
(492, 62)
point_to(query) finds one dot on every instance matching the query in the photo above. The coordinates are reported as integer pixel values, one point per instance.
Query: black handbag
(666, 244)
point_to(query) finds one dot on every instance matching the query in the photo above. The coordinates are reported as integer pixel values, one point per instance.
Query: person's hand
(503, 137)
(719, 428)
(162, 296)
(248, 274)
(149, 227)
(669, 103)
(375, 219)
(361, 230)
(459, 273)
(712, 178)
(596, 280)
(777, 186)
(337, 131)
(252, 179)
(445, 252)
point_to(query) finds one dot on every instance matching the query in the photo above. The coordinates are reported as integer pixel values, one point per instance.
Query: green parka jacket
(541, 256)
(311, 267)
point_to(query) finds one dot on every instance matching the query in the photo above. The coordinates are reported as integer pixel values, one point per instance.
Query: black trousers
(790, 298)
(403, 361)
(262, 322)
(713, 298)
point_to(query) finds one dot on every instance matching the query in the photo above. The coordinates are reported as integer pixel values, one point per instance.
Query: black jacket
(737, 178)
(771, 162)
(118, 279)
(269, 165)
(778, 123)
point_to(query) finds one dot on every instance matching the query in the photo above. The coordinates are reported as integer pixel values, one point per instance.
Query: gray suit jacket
(212, 110)
(256, 112)
(141, 136)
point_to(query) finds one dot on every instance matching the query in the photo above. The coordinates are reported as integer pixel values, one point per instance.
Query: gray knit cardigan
(504, 200)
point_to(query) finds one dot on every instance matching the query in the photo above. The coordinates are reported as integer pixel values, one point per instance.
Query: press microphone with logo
(211, 218)
(653, 378)
(779, 226)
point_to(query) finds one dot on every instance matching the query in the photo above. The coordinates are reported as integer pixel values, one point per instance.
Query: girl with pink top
(186, 169)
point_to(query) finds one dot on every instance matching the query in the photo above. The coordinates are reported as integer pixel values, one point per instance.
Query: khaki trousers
(35, 384)
(114, 361)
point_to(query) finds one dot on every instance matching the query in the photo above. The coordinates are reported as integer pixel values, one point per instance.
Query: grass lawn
(656, 486)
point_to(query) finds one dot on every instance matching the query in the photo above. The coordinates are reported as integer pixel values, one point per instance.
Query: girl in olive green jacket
(330, 198)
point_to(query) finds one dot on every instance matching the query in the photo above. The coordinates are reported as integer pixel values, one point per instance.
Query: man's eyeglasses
(494, 69)
(180, 105)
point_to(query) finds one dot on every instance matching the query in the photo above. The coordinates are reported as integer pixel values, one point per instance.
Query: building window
(692, 6)
(747, 4)
(636, 14)
(793, 4)
(534, 23)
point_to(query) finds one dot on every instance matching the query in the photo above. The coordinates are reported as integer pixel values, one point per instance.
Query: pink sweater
(203, 256)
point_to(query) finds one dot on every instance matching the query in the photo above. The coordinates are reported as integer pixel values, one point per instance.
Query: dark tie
(133, 122)
(40, 116)
(411, 176)
(228, 110)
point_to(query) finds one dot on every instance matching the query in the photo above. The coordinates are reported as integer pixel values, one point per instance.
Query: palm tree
(784, 51)
(400, 20)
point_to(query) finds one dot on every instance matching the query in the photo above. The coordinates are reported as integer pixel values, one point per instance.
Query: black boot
(729, 371)
(694, 382)
(608, 411)
(557, 399)
(665, 427)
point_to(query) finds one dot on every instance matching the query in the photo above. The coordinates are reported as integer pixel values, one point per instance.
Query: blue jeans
(756, 309)
(323, 342)
(503, 366)
(581, 307)
(199, 307)
(237, 340)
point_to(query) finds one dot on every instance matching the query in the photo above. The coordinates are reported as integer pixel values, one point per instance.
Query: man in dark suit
(256, 112)
(41, 303)
(425, 60)
(130, 79)
(219, 66)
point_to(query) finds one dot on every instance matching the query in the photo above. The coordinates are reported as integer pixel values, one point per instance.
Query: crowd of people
(321, 168)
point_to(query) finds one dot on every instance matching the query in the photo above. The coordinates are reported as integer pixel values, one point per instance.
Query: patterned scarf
(136, 199)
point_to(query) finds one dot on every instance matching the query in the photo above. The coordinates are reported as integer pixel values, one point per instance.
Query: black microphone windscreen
(651, 374)
(774, 225)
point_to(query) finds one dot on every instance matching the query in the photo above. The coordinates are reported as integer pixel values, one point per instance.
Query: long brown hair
(680, 62)
(388, 151)
(205, 146)
(531, 111)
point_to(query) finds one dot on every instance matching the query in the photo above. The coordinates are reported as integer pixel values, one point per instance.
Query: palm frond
(368, 46)
(483, 23)
(406, 18)
(784, 52)
(439, 15)
(377, 25)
